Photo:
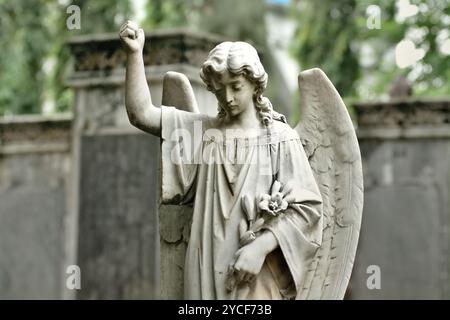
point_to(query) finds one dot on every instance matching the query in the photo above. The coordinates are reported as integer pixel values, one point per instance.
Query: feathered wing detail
(330, 143)
(178, 92)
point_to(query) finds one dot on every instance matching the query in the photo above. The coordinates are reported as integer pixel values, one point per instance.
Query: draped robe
(201, 165)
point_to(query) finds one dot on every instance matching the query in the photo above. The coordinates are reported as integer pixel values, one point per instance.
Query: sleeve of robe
(299, 229)
(181, 138)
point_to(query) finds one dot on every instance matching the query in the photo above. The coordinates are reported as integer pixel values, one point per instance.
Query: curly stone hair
(240, 58)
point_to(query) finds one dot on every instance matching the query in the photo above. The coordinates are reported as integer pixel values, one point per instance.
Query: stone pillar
(35, 167)
(116, 185)
(405, 147)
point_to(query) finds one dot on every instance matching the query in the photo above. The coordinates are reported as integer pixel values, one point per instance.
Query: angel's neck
(248, 119)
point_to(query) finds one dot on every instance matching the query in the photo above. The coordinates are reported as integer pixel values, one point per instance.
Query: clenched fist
(132, 37)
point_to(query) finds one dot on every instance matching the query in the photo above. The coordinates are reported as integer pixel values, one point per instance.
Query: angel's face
(234, 93)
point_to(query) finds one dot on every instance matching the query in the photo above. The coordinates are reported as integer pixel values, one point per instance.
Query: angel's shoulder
(284, 130)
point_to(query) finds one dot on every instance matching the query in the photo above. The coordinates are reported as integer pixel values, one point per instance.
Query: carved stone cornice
(403, 113)
(24, 134)
(166, 47)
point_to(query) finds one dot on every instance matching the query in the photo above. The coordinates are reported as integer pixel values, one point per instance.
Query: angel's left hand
(249, 259)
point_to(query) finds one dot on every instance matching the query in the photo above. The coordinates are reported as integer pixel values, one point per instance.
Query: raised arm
(140, 109)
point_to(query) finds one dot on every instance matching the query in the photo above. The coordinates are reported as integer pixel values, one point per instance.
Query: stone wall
(405, 147)
(35, 167)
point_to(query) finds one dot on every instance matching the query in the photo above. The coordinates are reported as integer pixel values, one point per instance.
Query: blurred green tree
(331, 34)
(99, 16)
(246, 24)
(166, 14)
(34, 58)
(324, 37)
(361, 59)
(24, 43)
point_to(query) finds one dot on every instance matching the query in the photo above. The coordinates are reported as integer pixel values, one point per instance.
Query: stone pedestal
(405, 146)
(116, 174)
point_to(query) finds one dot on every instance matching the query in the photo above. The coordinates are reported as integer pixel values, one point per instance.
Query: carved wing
(332, 148)
(177, 92)
(174, 220)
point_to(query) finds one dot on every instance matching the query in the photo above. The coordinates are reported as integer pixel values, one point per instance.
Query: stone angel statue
(276, 210)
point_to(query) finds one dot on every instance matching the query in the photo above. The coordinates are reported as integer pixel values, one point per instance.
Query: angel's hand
(249, 259)
(132, 37)
(247, 263)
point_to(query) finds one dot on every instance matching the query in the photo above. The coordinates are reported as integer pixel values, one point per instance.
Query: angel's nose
(229, 96)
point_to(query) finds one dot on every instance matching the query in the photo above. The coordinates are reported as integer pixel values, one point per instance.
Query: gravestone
(405, 145)
(35, 167)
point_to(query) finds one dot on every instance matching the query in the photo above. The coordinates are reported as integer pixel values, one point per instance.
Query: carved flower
(274, 203)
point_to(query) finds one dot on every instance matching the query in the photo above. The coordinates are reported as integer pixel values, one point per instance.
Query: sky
(278, 1)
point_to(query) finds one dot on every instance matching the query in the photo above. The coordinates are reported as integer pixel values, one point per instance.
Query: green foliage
(24, 46)
(331, 34)
(34, 59)
(361, 61)
(432, 20)
(100, 16)
(246, 24)
(324, 36)
(166, 14)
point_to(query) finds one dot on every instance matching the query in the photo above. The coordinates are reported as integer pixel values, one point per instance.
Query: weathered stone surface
(118, 217)
(31, 241)
(405, 229)
(403, 113)
(34, 171)
(175, 223)
(168, 47)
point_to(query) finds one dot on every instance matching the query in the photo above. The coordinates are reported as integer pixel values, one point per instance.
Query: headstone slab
(405, 145)
(34, 175)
